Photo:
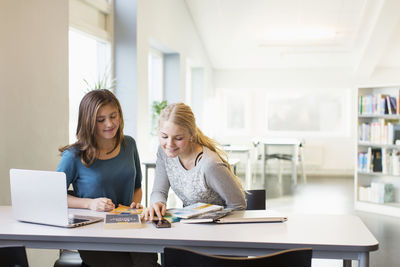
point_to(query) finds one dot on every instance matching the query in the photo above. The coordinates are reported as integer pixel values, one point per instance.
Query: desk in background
(297, 153)
(330, 236)
(151, 164)
(245, 150)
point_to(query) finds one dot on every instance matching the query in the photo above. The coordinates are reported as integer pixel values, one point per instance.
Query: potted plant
(156, 108)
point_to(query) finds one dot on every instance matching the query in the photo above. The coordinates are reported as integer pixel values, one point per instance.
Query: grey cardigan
(210, 181)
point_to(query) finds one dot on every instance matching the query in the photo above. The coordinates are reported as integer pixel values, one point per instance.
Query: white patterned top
(210, 181)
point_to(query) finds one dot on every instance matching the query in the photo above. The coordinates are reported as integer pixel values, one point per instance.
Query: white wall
(34, 91)
(385, 76)
(330, 154)
(168, 23)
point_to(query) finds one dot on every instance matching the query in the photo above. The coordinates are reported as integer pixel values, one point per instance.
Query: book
(120, 221)
(171, 218)
(122, 209)
(376, 160)
(194, 210)
(208, 217)
(369, 155)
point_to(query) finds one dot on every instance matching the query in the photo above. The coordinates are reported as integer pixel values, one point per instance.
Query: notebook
(41, 197)
(252, 216)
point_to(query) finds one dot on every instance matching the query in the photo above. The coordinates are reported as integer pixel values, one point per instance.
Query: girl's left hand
(135, 205)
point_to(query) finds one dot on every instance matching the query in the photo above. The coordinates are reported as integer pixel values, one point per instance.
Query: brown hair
(85, 131)
(182, 115)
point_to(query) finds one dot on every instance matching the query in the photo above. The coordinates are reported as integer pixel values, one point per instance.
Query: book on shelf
(194, 210)
(369, 154)
(208, 217)
(377, 192)
(385, 132)
(376, 160)
(379, 160)
(393, 105)
(379, 104)
(384, 160)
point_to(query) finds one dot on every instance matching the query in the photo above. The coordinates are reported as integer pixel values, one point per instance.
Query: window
(156, 82)
(236, 112)
(308, 112)
(90, 60)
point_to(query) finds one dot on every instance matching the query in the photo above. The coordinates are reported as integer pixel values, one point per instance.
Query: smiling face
(174, 139)
(107, 122)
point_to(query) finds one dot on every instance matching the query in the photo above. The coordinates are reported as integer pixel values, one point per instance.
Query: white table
(151, 164)
(330, 236)
(295, 145)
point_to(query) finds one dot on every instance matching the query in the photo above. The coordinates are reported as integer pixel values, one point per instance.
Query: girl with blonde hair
(192, 165)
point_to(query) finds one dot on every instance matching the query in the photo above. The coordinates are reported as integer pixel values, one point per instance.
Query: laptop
(252, 216)
(41, 197)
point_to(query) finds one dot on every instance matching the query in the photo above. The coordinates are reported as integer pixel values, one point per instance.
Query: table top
(321, 232)
(277, 141)
(236, 148)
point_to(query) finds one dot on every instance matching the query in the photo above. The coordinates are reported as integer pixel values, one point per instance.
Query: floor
(333, 195)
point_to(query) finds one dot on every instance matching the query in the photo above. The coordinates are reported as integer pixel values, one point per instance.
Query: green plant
(156, 107)
(104, 81)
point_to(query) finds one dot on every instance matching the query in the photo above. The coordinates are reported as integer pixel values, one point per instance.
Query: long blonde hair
(182, 115)
(85, 132)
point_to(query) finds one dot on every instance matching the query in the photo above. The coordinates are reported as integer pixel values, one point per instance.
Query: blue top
(114, 178)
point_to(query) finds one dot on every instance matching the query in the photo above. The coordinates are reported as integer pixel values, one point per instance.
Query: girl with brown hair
(104, 169)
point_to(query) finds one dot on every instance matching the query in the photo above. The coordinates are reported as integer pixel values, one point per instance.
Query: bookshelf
(377, 172)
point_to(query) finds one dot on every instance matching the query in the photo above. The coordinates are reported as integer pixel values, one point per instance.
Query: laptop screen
(39, 196)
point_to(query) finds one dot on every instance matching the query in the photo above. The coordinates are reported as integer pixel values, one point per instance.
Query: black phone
(161, 223)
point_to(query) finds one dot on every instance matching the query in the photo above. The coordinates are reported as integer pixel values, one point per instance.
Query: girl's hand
(158, 208)
(101, 204)
(135, 205)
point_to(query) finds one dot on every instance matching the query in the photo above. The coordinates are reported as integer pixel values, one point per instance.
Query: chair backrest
(179, 257)
(255, 199)
(13, 256)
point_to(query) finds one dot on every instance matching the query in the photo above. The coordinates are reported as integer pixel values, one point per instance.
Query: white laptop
(41, 197)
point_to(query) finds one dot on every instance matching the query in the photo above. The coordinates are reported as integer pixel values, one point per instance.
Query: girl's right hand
(101, 204)
(158, 208)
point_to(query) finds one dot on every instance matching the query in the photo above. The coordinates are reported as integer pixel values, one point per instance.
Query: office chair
(179, 257)
(255, 199)
(13, 256)
(69, 258)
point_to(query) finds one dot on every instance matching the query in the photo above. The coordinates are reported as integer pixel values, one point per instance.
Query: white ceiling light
(298, 36)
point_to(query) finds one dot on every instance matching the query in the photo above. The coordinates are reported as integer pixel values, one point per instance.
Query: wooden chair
(13, 256)
(256, 199)
(179, 257)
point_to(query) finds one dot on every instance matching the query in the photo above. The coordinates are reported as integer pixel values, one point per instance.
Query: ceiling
(237, 34)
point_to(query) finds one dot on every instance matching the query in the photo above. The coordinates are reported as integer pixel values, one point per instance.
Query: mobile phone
(163, 223)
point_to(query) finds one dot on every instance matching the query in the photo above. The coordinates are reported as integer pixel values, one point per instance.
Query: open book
(194, 210)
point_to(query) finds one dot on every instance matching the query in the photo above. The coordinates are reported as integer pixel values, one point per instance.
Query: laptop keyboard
(75, 220)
